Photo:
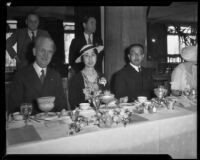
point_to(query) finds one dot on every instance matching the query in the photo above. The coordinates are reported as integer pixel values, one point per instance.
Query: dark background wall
(157, 51)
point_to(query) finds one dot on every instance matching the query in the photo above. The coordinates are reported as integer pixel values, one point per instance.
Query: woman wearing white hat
(184, 76)
(88, 81)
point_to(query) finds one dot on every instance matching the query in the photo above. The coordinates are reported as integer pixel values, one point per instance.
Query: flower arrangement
(103, 119)
(102, 81)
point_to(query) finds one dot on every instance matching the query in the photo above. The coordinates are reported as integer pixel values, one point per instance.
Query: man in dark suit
(24, 38)
(88, 37)
(134, 80)
(37, 80)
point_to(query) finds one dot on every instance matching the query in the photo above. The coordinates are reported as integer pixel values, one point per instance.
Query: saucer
(44, 116)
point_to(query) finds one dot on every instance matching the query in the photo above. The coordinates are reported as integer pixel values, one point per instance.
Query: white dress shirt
(30, 33)
(135, 67)
(38, 69)
(87, 36)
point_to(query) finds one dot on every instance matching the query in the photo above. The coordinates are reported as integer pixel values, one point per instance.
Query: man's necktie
(89, 39)
(139, 69)
(33, 36)
(42, 76)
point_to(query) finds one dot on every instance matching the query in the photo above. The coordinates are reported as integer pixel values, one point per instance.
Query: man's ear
(84, 25)
(34, 51)
(143, 56)
(128, 57)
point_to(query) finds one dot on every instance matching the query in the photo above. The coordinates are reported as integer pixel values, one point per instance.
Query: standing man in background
(25, 38)
(88, 37)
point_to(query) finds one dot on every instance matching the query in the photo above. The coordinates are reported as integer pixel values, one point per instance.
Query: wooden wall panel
(123, 26)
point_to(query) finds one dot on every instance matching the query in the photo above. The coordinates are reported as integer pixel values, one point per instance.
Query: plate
(44, 116)
(126, 104)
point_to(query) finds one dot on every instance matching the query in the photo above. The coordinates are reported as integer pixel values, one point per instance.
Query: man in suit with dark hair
(24, 38)
(88, 37)
(134, 80)
(37, 80)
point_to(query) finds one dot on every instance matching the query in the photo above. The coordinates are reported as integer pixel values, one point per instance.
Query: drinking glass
(96, 102)
(26, 110)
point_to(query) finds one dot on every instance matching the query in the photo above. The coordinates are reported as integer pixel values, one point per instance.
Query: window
(10, 64)
(69, 28)
(179, 37)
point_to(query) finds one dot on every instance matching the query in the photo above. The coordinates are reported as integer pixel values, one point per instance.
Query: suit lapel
(48, 79)
(34, 80)
(38, 33)
(83, 40)
(22, 39)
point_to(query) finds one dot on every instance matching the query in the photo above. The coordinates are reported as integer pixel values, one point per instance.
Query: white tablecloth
(167, 132)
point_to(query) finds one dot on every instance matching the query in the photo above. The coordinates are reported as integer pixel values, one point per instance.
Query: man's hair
(86, 18)
(32, 13)
(135, 45)
(38, 39)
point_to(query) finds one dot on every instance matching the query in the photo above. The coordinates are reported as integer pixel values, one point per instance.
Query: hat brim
(98, 48)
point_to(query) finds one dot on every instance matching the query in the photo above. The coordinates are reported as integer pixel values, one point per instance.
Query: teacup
(142, 99)
(84, 106)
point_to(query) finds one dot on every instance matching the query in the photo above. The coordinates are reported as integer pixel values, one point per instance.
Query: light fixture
(153, 40)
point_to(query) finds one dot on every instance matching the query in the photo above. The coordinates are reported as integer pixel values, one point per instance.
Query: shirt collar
(135, 67)
(87, 36)
(30, 32)
(38, 69)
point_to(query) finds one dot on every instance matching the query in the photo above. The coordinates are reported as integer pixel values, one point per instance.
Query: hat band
(90, 47)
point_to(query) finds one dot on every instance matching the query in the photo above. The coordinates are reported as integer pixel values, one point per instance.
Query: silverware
(34, 119)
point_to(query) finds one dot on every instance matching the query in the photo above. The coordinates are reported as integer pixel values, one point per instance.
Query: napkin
(21, 135)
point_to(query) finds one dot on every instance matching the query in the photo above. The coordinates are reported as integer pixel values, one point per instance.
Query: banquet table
(172, 132)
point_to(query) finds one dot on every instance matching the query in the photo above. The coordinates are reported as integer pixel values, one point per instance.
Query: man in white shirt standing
(24, 38)
(134, 80)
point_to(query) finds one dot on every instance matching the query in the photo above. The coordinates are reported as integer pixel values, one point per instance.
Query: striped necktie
(42, 76)
(33, 36)
(89, 39)
(139, 69)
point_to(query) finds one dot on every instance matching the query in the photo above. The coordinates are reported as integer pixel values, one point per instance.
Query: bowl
(142, 99)
(46, 103)
(17, 116)
(107, 98)
(84, 106)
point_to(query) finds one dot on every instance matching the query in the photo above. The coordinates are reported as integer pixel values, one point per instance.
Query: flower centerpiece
(92, 93)
(107, 118)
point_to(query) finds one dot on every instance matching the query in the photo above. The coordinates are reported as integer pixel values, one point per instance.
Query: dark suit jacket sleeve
(61, 101)
(45, 33)
(10, 42)
(15, 94)
(119, 86)
(76, 95)
(72, 52)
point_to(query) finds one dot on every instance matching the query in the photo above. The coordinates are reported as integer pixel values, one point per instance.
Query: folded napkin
(21, 135)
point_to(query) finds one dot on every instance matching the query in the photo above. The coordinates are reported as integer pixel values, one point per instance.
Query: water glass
(26, 110)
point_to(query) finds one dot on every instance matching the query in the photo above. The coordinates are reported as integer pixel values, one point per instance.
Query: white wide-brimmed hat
(189, 53)
(88, 48)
